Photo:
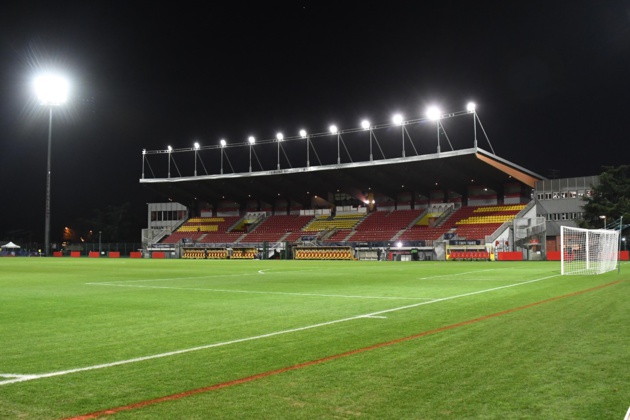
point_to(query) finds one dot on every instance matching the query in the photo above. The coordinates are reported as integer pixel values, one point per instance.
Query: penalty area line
(247, 379)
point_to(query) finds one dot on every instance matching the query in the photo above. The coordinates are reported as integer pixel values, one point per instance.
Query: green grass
(561, 358)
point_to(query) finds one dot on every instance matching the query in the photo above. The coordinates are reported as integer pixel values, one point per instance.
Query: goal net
(588, 251)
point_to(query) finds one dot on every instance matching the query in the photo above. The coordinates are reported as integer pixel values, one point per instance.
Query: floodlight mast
(196, 147)
(251, 141)
(52, 90)
(169, 150)
(223, 143)
(398, 120)
(334, 130)
(303, 134)
(472, 108)
(365, 124)
(435, 114)
(279, 138)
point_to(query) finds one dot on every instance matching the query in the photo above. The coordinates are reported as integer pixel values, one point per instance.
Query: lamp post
(223, 143)
(279, 138)
(51, 90)
(251, 141)
(603, 217)
(196, 147)
(304, 135)
(398, 120)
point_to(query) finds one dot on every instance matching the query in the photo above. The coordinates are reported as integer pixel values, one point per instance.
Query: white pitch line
(260, 292)
(214, 276)
(30, 377)
(458, 274)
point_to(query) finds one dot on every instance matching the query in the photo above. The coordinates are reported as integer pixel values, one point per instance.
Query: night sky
(551, 81)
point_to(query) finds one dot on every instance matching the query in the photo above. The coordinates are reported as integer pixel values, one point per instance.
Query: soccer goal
(588, 251)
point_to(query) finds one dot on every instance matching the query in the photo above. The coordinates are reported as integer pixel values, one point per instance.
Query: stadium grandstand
(388, 191)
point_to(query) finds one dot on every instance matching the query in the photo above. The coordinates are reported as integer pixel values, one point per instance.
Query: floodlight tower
(433, 113)
(279, 138)
(333, 130)
(223, 143)
(398, 120)
(471, 108)
(251, 141)
(366, 126)
(52, 90)
(304, 135)
(196, 147)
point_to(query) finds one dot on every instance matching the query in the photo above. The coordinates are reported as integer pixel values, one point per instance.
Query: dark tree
(611, 198)
(116, 224)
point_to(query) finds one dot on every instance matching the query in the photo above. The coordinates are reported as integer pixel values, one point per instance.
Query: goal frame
(597, 253)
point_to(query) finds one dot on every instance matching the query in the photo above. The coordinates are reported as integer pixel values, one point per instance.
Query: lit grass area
(328, 339)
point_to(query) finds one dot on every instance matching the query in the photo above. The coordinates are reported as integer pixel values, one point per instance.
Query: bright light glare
(398, 119)
(471, 107)
(223, 143)
(399, 244)
(51, 89)
(197, 145)
(365, 124)
(303, 133)
(251, 140)
(170, 149)
(333, 129)
(433, 113)
(280, 136)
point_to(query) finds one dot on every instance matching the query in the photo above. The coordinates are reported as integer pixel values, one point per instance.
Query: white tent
(10, 245)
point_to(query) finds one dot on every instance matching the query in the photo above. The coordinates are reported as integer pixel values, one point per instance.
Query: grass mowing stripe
(262, 375)
(259, 292)
(30, 377)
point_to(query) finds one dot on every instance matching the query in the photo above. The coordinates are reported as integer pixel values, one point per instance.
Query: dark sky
(551, 80)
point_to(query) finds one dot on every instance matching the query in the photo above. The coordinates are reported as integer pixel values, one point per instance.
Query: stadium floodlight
(196, 146)
(305, 135)
(471, 106)
(51, 90)
(588, 251)
(604, 218)
(397, 119)
(333, 129)
(223, 143)
(434, 113)
(251, 141)
(279, 138)
(365, 124)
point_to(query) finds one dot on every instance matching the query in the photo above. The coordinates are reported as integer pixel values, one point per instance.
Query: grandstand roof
(453, 170)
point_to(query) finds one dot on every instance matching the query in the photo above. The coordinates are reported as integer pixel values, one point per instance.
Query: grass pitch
(310, 339)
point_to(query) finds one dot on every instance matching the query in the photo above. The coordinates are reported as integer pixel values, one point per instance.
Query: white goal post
(588, 251)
